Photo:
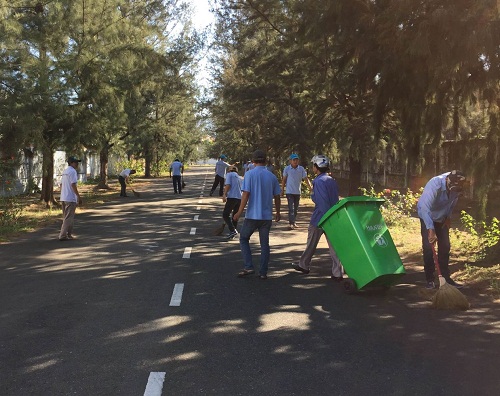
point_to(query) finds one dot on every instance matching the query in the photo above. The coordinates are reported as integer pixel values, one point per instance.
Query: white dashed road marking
(196, 218)
(187, 252)
(193, 231)
(155, 384)
(176, 299)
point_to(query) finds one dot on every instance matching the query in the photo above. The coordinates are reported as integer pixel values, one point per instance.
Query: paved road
(94, 316)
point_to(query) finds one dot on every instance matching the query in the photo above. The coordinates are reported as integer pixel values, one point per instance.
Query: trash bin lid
(348, 201)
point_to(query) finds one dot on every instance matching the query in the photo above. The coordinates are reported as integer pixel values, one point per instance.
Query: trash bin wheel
(349, 286)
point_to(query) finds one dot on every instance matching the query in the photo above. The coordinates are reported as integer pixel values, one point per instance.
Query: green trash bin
(358, 233)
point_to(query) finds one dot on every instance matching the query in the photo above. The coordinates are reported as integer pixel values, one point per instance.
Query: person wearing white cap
(434, 208)
(293, 175)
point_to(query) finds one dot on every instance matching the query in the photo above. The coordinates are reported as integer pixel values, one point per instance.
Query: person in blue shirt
(260, 187)
(232, 198)
(434, 208)
(293, 175)
(220, 174)
(325, 194)
(177, 169)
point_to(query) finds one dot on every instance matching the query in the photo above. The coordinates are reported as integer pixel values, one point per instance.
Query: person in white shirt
(232, 199)
(220, 175)
(293, 175)
(70, 198)
(123, 178)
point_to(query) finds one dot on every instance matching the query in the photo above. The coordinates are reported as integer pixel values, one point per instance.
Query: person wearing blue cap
(220, 175)
(293, 175)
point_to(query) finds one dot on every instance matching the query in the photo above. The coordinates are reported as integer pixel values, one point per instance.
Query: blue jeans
(293, 207)
(248, 228)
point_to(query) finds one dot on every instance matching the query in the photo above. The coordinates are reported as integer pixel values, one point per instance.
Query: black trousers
(123, 191)
(176, 180)
(218, 181)
(232, 205)
(443, 245)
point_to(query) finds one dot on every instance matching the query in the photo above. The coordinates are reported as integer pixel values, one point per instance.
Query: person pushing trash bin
(324, 195)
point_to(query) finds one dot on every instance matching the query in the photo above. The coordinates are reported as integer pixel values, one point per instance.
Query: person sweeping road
(434, 208)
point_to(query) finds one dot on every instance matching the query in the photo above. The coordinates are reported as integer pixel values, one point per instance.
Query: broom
(447, 296)
(219, 230)
(136, 194)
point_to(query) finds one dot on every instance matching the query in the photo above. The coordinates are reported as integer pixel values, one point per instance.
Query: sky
(202, 18)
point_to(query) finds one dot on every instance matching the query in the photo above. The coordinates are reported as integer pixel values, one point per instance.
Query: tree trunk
(103, 173)
(148, 161)
(354, 176)
(48, 177)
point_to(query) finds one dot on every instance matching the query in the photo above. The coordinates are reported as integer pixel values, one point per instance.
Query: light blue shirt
(176, 167)
(436, 203)
(220, 168)
(262, 186)
(325, 194)
(294, 177)
(233, 180)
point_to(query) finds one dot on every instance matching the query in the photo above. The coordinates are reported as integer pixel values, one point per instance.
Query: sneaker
(337, 278)
(454, 284)
(430, 285)
(64, 239)
(297, 267)
(232, 235)
(290, 226)
(71, 236)
(295, 225)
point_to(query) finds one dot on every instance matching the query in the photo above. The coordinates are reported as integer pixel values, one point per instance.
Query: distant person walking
(176, 171)
(293, 174)
(434, 207)
(124, 179)
(325, 194)
(70, 198)
(220, 174)
(232, 198)
(260, 187)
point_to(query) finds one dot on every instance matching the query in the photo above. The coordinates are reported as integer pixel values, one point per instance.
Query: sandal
(245, 272)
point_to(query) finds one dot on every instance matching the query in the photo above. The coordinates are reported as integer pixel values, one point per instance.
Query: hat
(456, 176)
(73, 159)
(294, 156)
(321, 161)
(258, 155)
(223, 156)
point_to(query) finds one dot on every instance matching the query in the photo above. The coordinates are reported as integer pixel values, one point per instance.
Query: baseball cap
(457, 179)
(294, 156)
(223, 156)
(73, 159)
(258, 155)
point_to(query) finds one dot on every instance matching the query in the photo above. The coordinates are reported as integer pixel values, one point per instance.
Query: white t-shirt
(68, 178)
(125, 173)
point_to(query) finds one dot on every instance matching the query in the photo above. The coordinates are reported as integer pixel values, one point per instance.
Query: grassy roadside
(23, 214)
